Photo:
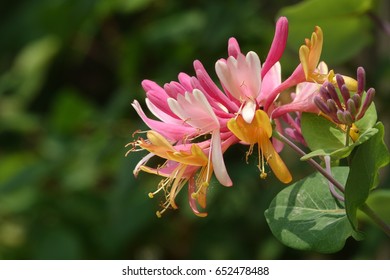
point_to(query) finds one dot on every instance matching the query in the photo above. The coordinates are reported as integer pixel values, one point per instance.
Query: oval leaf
(369, 158)
(306, 216)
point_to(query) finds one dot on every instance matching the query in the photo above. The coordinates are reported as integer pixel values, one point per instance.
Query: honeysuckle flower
(242, 79)
(303, 97)
(182, 163)
(192, 130)
(242, 75)
(307, 70)
(259, 132)
(194, 109)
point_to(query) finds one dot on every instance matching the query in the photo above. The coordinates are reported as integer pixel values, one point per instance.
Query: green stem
(378, 221)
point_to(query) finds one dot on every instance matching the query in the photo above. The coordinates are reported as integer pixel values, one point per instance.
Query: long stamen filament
(261, 165)
(161, 186)
(165, 207)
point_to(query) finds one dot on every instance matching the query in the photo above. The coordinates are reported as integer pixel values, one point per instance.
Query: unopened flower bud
(321, 105)
(348, 118)
(366, 103)
(340, 80)
(351, 107)
(357, 99)
(333, 94)
(331, 105)
(340, 117)
(345, 93)
(361, 79)
(324, 93)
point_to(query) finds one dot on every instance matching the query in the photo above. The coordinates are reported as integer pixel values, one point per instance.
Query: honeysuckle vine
(330, 116)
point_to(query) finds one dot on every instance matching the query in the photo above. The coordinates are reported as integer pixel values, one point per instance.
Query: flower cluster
(197, 120)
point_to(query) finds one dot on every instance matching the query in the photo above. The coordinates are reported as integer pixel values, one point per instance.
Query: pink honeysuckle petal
(160, 101)
(186, 81)
(241, 76)
(303, 101)
(173, 89)
(233, 47)
(304, 96)
(194, 109)
(157, 95)
(218, 109)
(217, 160)
(212, 90)
(270, 81)
(278, 45)
(150, 85)
(169, 131)
(298, 76)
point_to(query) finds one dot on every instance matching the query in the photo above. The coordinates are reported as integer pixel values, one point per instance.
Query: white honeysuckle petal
(254, 75)
(248, 111)
(142, 162)
(224, 75)
(217, 160)
(187, 97)
(161, 114)
(176, 108)
(253, 60)
(194, 109)
(222, 107)
(170, 131)
(232, 61)
(322, 68)
(202, 101)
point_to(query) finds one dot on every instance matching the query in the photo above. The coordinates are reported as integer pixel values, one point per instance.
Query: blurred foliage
(69, 70)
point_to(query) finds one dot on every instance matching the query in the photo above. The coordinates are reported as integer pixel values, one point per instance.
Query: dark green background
(69, 70)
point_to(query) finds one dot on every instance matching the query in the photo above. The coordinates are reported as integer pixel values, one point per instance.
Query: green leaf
(379, 202)
(326, 138)
(345, 24)
(345, 151)
(320, 132)
(363, 177)
(306, 216)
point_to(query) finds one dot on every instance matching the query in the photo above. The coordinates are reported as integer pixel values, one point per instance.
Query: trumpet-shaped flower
(182, 164)
(194, 109)
(259, 132)
(242, 75)
(307, 70)
(303, 97)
